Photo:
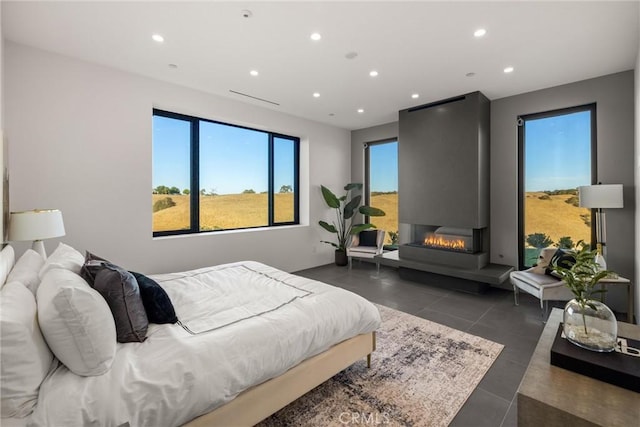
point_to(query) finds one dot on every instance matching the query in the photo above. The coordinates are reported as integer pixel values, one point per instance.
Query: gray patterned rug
(421, 374)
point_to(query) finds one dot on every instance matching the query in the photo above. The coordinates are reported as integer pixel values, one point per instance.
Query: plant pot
(595, 330)
(341, 258)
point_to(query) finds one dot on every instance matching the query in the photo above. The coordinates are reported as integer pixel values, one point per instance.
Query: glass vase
(595, 330)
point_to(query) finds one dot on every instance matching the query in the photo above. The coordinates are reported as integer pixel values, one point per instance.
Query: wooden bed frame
(258, 402)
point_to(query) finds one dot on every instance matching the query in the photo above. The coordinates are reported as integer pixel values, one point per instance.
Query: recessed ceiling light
(351, 55)
(316, 95)
(373, 73)
(360, 110)
(158, 38)
(508, 70)
(316, 36)
(174, 66)
(415, 96)
(253, 73)
(470, 74)
(480, 32)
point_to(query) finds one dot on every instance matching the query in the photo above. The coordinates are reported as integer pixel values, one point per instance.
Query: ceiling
(426, 48)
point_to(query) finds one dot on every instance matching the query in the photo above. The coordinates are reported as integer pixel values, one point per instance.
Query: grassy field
(247, 210)
(553, 217)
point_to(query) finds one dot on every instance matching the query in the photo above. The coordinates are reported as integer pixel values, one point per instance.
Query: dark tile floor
(492, 316)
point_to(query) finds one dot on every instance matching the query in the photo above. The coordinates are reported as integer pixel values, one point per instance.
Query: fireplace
(463, 248)
(465, 240)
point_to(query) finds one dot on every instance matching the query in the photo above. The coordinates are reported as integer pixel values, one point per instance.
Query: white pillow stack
(64, 257)
(7, 258)
(26, 359)
(76, 322)
(26, 270)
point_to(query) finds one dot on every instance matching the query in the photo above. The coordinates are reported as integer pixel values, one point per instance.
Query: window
(556, 156)
(211, 176)
(381, 183)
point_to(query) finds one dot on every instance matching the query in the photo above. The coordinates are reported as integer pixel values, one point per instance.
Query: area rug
(421, 374)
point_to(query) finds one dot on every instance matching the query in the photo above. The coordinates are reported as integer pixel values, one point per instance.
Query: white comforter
(236, 338)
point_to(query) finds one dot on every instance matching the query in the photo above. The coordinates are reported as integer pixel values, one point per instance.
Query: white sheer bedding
(244, 324)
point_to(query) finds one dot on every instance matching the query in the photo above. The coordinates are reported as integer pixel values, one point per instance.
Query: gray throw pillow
(120, 289)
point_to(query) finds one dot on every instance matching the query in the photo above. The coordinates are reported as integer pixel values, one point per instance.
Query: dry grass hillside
(555, 217)
(550, 215)
(222, 212)
(389, 204)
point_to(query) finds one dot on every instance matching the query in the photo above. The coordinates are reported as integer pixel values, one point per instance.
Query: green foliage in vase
(583, 275)
(345, 208)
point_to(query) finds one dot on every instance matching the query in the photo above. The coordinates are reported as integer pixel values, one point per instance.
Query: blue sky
(557, 156)
(383, 162)
(232, 159)
(558, 152)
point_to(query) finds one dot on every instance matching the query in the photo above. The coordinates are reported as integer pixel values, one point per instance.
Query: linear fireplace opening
(455, 239)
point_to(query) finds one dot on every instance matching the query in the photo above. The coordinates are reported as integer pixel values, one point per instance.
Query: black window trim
(194, 200)
(594, 165)
(367, 169)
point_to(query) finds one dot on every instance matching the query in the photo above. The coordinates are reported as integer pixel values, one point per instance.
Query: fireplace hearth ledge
(492, 274)
(463, 260)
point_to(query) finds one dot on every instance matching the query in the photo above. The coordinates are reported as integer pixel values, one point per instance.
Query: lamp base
(38, 246)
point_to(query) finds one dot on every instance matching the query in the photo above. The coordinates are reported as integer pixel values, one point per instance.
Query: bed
(249, 340)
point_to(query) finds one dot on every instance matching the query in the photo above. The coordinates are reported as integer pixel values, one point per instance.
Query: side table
(552, 396)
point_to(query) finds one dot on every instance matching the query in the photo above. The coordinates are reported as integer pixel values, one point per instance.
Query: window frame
(521, 120)
(367, 169)
(194, 200)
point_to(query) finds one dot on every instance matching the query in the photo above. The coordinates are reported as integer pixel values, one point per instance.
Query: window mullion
(195, 176)
(271, 190)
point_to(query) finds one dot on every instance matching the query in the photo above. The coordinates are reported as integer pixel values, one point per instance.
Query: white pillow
(7, 258)
(63, 257)
(26, 359)
(76, 323)
(26, 270)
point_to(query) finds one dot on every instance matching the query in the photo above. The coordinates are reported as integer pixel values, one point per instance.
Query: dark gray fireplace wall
(444, 163)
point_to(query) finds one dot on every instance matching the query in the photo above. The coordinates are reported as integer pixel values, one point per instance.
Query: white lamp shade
(35, 225)
(601, 196)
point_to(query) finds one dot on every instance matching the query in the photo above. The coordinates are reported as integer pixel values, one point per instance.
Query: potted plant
(587, 322)
(345, 208)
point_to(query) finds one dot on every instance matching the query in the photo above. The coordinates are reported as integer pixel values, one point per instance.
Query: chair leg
(515, 295)
(350, 262)
(377, 267)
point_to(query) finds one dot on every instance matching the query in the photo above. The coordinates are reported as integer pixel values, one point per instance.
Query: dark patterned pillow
(562, 259)
(120, 289)
(368, 238)
(92, 264)
(156, 302)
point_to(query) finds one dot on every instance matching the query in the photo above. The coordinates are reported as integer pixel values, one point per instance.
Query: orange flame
(444, 242)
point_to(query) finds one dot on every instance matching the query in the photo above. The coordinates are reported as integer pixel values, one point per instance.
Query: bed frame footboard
(258, 402)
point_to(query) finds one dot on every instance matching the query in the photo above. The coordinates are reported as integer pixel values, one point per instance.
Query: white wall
(637, 183)
(2, 147)
(80, 137)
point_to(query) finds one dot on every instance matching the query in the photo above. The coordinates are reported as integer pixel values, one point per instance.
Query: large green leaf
(371, 211)
(331, 243)
(356, 229)
(330, 198)
(350, 208)
(329, 227)
(353, 186)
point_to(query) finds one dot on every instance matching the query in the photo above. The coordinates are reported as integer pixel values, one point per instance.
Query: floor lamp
(601, 196)
(36, 225)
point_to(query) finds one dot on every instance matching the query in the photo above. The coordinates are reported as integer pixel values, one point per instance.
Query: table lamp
(36, 225)
(601, 196)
